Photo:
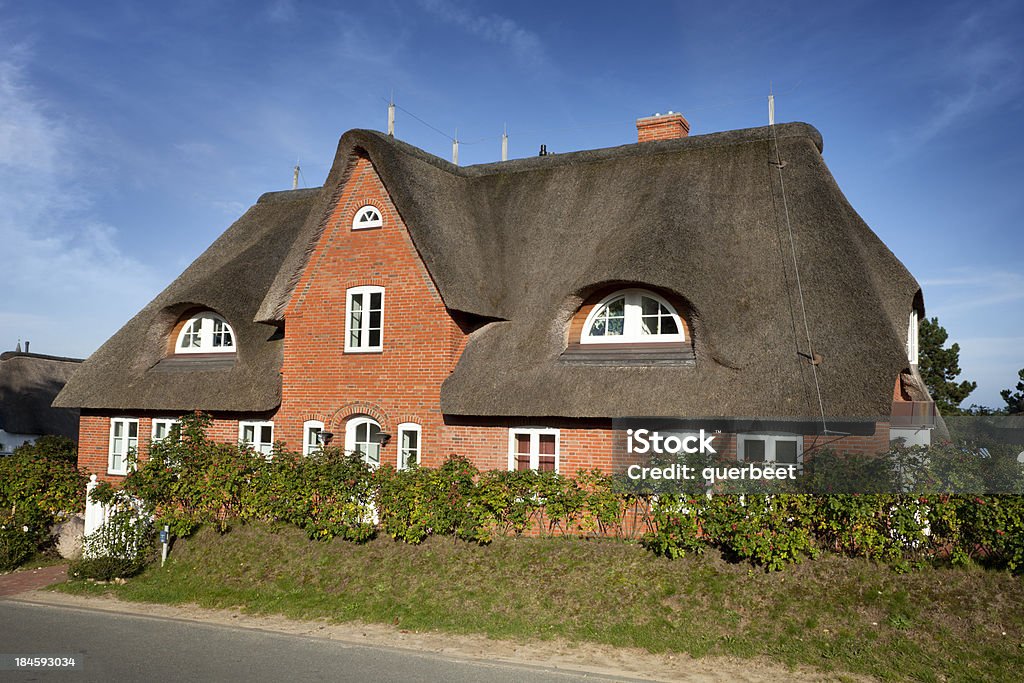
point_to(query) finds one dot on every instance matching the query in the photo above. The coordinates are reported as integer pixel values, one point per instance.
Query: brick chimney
(668, 126)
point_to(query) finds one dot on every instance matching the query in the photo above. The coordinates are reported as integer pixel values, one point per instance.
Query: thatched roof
(130, 371)
(28, 384)
(520, 244)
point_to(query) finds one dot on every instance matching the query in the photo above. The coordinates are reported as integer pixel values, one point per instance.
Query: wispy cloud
(982, 68)
(964, 289)
(281, 11)
(68, 283)
(525, 45)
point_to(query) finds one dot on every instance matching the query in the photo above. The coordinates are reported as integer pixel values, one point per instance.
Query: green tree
(1015, 399)
(940, 367)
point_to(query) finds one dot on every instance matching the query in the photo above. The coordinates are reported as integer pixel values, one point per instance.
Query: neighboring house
(28, 384)
(509, 312)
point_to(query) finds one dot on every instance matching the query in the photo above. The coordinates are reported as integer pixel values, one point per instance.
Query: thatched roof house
(512, 312)
(515, 248)
(28, 384)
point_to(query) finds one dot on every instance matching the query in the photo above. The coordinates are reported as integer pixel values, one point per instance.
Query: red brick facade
(402, 383)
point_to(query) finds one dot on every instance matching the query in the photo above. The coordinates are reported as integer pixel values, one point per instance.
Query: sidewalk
(25, 580)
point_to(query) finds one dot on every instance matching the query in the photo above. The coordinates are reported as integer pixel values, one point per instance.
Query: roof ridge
(8, 355)
(652, 148)
(274, 196)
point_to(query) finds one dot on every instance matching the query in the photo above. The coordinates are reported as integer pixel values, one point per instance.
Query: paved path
(25, 580)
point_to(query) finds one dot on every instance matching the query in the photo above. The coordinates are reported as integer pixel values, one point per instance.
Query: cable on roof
(779, 165)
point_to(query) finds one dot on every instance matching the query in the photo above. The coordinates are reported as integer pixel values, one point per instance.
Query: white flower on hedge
(25, 529)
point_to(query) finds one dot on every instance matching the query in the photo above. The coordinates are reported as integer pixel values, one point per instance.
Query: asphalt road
(114, 647)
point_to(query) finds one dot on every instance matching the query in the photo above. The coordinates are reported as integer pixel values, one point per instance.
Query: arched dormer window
(367, 217)
(205, 332)
(631, 316)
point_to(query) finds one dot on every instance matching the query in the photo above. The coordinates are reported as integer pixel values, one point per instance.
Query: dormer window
(206, 332)
(632, 316)
(367, 217)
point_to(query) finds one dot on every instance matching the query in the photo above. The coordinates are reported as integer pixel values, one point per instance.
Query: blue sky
(132, 134)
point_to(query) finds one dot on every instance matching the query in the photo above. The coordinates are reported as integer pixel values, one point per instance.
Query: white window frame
(351, 445)
(912, 339)
(310, 443)
(534, 433)
(771, 439)
(403, 456)
(166, 422)
(127, 423)
(633, 319)
(208, 321)
(364, 292)
(264, 447)
(359, 224)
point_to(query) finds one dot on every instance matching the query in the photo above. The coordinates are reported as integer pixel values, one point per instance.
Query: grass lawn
(832, 613)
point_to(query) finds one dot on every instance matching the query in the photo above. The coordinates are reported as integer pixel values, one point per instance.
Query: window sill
(188, 362)
(631, 354)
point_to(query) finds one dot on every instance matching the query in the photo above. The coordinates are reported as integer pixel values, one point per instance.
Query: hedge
(190, 481)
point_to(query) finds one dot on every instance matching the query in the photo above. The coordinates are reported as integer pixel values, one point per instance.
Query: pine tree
(1015, 400)
(939, 367)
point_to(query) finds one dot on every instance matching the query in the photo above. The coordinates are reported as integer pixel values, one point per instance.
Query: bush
(103, 568)
(677, 526)
(419, 502)
(42, 480)
(17, 544)
(122, 545)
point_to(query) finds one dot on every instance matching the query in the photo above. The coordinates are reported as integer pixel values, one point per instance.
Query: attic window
(206, 332)
(632, 316)
(367, 217)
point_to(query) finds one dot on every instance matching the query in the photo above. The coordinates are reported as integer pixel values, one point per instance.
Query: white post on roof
(504, 144)
(391, 116)
(455, 148)
(295, 176)
(771, 110)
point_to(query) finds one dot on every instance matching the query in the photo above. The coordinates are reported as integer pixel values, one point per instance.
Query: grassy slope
(833, 613)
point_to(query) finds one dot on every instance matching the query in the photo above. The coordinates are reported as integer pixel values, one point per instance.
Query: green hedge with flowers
(190, 481)
(39, 484)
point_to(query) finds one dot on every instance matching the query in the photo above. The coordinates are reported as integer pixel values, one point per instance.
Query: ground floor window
(124, 440)
(312, 436)
(781, 449)
(533, 448)
(408, 444)
(362, 436)
(257, 435)
(162, 428)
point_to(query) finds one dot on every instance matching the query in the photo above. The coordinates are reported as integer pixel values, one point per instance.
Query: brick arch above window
(343, 414)
(369, 214)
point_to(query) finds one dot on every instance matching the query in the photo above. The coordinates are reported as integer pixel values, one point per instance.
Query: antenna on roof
(391, 115)
(504, 144)
(455, 148)
(17, 349)
(295, 176)
(771, 106)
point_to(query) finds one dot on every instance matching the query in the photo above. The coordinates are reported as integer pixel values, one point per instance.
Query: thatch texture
(28, 384)
(229, 278)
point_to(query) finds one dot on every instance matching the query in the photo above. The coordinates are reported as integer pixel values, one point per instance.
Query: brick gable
(421, 342)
